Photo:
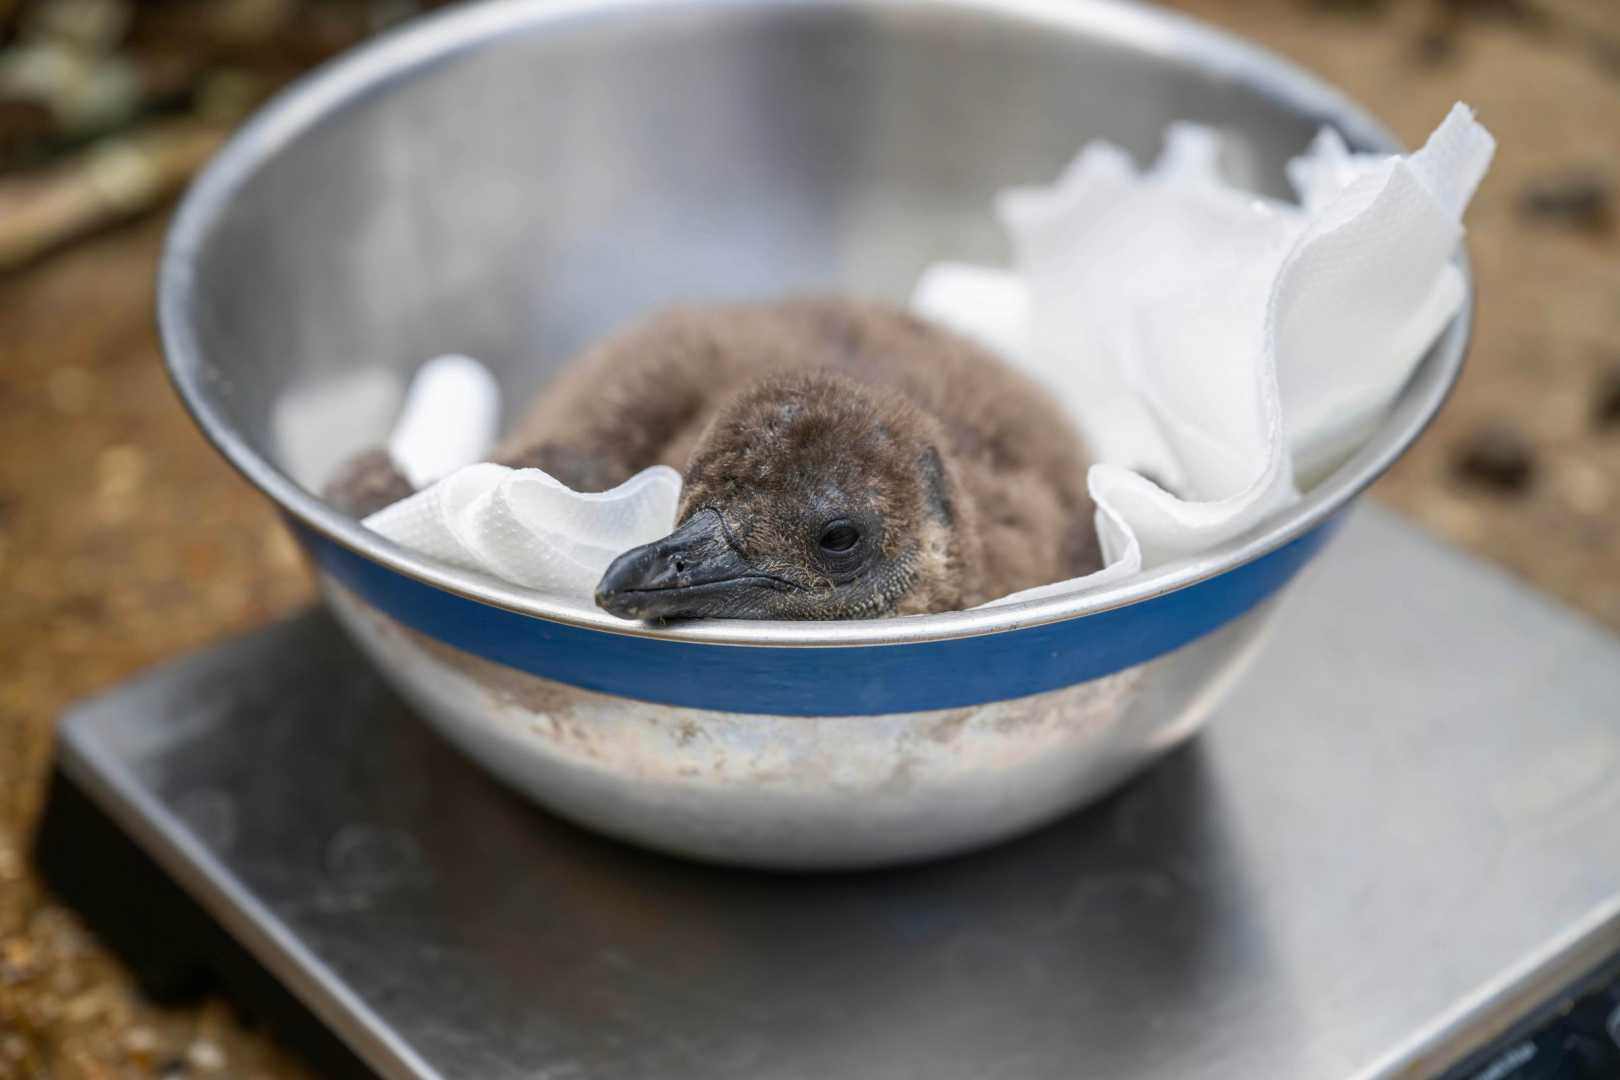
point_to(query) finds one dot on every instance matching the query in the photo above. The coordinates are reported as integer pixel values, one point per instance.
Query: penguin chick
(841, 460)
(810, 496)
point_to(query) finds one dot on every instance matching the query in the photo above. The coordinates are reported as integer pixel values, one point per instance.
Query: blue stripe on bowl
(837, 681)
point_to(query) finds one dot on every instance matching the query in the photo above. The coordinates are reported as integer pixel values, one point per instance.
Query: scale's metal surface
(1400, 835)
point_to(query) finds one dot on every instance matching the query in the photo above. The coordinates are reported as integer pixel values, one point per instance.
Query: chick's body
(1014, 470)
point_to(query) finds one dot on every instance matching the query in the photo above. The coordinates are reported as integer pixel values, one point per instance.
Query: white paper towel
(1220, 342)
(450, 419)
(523, 526)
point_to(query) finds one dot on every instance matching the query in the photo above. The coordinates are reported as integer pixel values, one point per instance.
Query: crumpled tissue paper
(1221, 343)
(451, 417)
(518, 525)
(1224, 344)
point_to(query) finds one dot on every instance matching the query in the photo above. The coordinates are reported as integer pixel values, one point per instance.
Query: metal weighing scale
(1395, 851)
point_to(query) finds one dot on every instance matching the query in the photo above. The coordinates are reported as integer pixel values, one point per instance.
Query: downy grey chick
(842, 460)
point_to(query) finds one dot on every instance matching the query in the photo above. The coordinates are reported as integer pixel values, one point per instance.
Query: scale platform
(1394, 852)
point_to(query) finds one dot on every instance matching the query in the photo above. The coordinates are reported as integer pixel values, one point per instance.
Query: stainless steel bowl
(512, 180)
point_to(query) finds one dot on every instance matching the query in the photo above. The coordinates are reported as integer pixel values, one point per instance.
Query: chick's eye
(838, 537)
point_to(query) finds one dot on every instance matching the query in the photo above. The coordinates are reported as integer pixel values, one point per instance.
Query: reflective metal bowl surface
(514, 179)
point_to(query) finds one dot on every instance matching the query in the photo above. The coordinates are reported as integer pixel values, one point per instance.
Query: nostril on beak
(670, 556)
(650, 581)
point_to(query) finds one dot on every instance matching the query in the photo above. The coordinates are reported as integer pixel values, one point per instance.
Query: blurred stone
(381, 14)
(1351, 7)
(17, 960)
(86, 1006)
(84, 92)
(228, 93)
(110, 180)
(119, 470)
(91, 25)
(1495, 457)
(205, 1056)
(280, 550)
(1435, 46)
(1584, 487)
(24, 120)
(1606, 406)
(1605, 53)
(1452, 517)
(250, 20)
(141, 1042)
(13, 1049)
(1520, 11)
(1580, 199)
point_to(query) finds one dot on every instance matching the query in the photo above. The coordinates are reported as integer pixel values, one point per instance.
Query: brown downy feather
(705, 390)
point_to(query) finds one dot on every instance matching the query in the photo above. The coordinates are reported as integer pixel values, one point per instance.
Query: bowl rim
(433, 39)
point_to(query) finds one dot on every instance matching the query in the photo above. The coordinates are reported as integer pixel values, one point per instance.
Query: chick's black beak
(691, 573)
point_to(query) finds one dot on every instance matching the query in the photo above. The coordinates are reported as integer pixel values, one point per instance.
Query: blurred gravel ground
(124, 539)
(1523, 465)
